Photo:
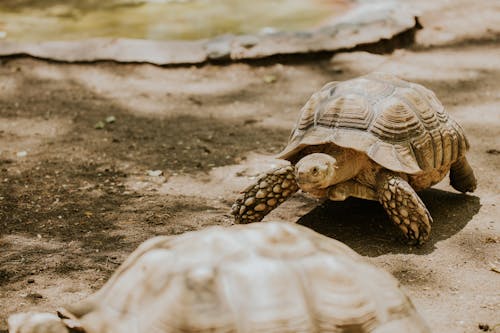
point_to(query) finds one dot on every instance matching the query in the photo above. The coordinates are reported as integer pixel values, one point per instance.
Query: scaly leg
(266, 194)
(404, 207)
(462, 177)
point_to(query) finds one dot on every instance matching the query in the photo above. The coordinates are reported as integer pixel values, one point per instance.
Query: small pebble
(155, 173)
(248, 41)
(34, 295)
(219, 48)
(270, 78)
(99, 125)
(268, 31)
(484, 327)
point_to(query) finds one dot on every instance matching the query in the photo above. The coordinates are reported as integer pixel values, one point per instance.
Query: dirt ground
(75, 200)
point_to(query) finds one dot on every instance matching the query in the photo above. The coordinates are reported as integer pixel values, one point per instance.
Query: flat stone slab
(366, 24)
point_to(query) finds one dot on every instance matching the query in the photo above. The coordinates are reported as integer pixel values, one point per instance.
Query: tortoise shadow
(364, 226)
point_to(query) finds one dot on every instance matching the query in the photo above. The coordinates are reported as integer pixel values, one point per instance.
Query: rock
(248, 41)
(155, 173)
(219, 48)
(270, 78)
(99, 125)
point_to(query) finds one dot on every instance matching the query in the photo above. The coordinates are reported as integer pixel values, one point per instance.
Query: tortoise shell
(400, 125)
(264, 277)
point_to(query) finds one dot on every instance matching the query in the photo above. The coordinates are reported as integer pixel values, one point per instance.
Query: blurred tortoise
(265, 277)
(375, 137)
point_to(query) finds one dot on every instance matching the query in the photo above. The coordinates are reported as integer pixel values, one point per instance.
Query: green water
(32, 20)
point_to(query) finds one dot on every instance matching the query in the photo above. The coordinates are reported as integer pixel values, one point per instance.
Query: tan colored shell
(400, 125)
(265, 277)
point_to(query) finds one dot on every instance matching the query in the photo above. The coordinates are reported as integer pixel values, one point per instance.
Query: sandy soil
(81, 199)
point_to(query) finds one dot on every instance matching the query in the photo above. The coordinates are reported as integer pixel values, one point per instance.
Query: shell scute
(427, 114)
(349, 111)
(336, 298)
(423, 148)
(395, 121)
(438, 149)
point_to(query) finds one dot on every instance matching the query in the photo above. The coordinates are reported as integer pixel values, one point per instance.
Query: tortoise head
(315, 171)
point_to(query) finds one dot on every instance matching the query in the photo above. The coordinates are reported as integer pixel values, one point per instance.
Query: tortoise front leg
(404, 207)
(266, 194)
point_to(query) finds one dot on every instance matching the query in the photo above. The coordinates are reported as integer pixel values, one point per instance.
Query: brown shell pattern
(398, 124)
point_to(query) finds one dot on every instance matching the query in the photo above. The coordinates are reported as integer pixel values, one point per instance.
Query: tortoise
(263, 277)
(374, 137)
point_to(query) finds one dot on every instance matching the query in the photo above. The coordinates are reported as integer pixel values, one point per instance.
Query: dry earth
(81, 199)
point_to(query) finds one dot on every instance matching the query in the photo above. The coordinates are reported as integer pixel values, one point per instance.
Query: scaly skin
(270, 190)
(405, 208)
(462, 177)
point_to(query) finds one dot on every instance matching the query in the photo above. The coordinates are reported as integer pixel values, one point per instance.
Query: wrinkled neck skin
(319, 171)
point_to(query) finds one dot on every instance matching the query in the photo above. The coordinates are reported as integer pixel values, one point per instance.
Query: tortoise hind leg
(266, 194)
(462, 177)
(405, 208)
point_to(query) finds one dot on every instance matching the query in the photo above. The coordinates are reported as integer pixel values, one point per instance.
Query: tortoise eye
(315, 171)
